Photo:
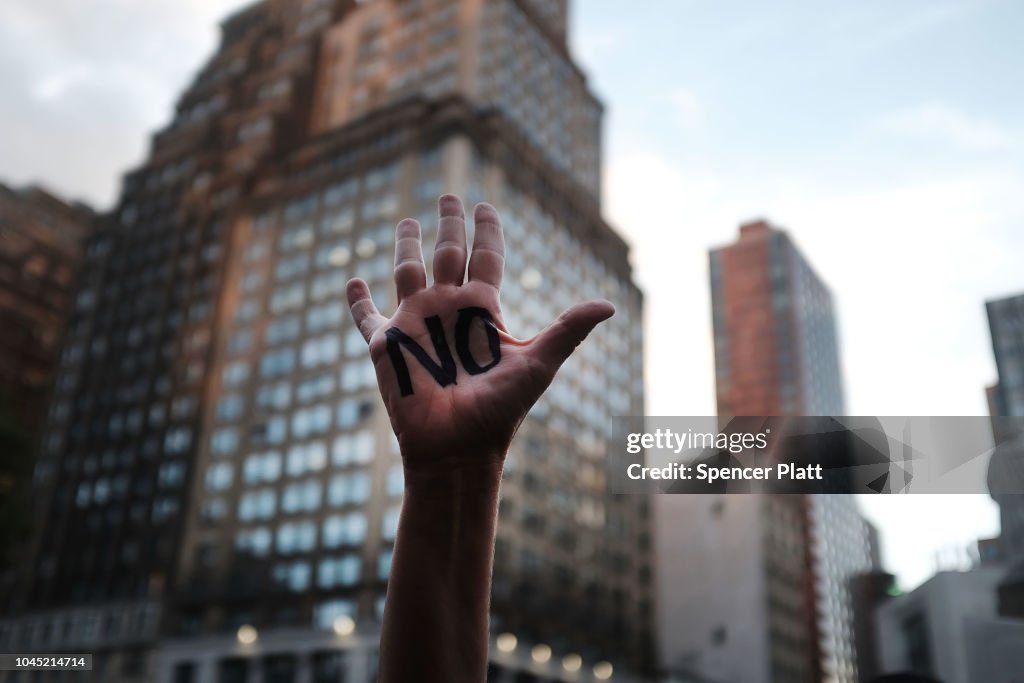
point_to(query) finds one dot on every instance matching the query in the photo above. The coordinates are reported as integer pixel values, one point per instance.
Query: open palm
(455, 383)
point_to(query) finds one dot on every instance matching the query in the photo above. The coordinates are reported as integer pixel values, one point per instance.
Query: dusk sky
(885, 137)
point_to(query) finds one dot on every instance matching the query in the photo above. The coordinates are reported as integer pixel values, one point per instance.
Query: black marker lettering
(462, 328)
(443, 373)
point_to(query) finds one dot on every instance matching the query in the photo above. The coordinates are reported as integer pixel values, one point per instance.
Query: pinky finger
(365, 314)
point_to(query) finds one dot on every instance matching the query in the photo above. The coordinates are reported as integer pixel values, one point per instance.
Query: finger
(410, 273)
(557, 341)
(487, 262)
(450, 248)
(366, 316)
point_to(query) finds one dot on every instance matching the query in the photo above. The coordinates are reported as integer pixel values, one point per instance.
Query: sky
(884, 136)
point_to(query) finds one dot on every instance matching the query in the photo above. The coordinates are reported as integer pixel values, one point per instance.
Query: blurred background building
(968, 625)
(42, 240)
(868, 590)
(948, 628)
(755, 588)
(1006, 468)
(219, 487)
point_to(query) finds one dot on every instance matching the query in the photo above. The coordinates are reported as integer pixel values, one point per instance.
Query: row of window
(301, 536)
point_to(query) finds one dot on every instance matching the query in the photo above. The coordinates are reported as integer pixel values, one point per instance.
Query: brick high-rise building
(218, 456)
(42, 241)
(776, 350)
(768, 601)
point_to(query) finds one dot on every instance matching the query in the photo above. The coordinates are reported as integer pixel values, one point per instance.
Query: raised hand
(455, 382)
(456, 385)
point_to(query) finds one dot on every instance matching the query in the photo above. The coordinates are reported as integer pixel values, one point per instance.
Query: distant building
(774, 323)
(42, 242)
(218, 456)
(755, 588)
(867, 592)
(948, 629)
(1006, 324)
(1006, 468)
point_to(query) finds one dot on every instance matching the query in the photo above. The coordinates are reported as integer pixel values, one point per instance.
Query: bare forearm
(435, 621)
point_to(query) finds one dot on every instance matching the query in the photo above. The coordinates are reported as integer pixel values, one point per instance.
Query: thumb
(557, 341)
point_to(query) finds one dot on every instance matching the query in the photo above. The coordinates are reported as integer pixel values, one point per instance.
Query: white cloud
(688, 109)
(940, 122)
(85, 84)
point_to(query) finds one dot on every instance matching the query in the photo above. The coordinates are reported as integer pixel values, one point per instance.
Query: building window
(324, 616)
(224, 441)
(219, 476)
(358, 375)
(384, 564)
(259, 504)
(278, 362)
(314, 388)
(303, 496)
(310, 421)
(339, 530)
(262, 467)
(253, 541)
(348, 489)
(287, 298)
(171, 474)
(395, 481)
(389, 524)
(295, 575)
(352, 411)
(354, 448)
(235, 373)
(321, 350)
(177, 440)
(276, 396)
(230, 407)
(324, 317)
(307, 457)
(339, 571)
(296, 537)
(282, 329)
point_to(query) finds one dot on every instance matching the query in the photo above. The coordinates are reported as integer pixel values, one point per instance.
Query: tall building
(219, 484)
(1006, 399)
(42, 240)
(868, 592)
(776, 346)
(769, 599)
(1006, 325)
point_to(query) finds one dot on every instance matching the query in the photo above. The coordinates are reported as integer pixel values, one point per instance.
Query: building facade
(1006, 468)
(948, 629)
(769, 600)
(220, 483)
(42, 243)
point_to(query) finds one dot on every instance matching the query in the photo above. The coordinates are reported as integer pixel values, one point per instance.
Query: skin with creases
(456, 386)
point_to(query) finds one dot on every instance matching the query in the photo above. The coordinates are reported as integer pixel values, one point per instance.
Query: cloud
(688, 110)
(591, 43)
(86, 83)
(942, 123)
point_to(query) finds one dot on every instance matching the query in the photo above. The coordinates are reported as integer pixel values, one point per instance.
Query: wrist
(477, 475)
